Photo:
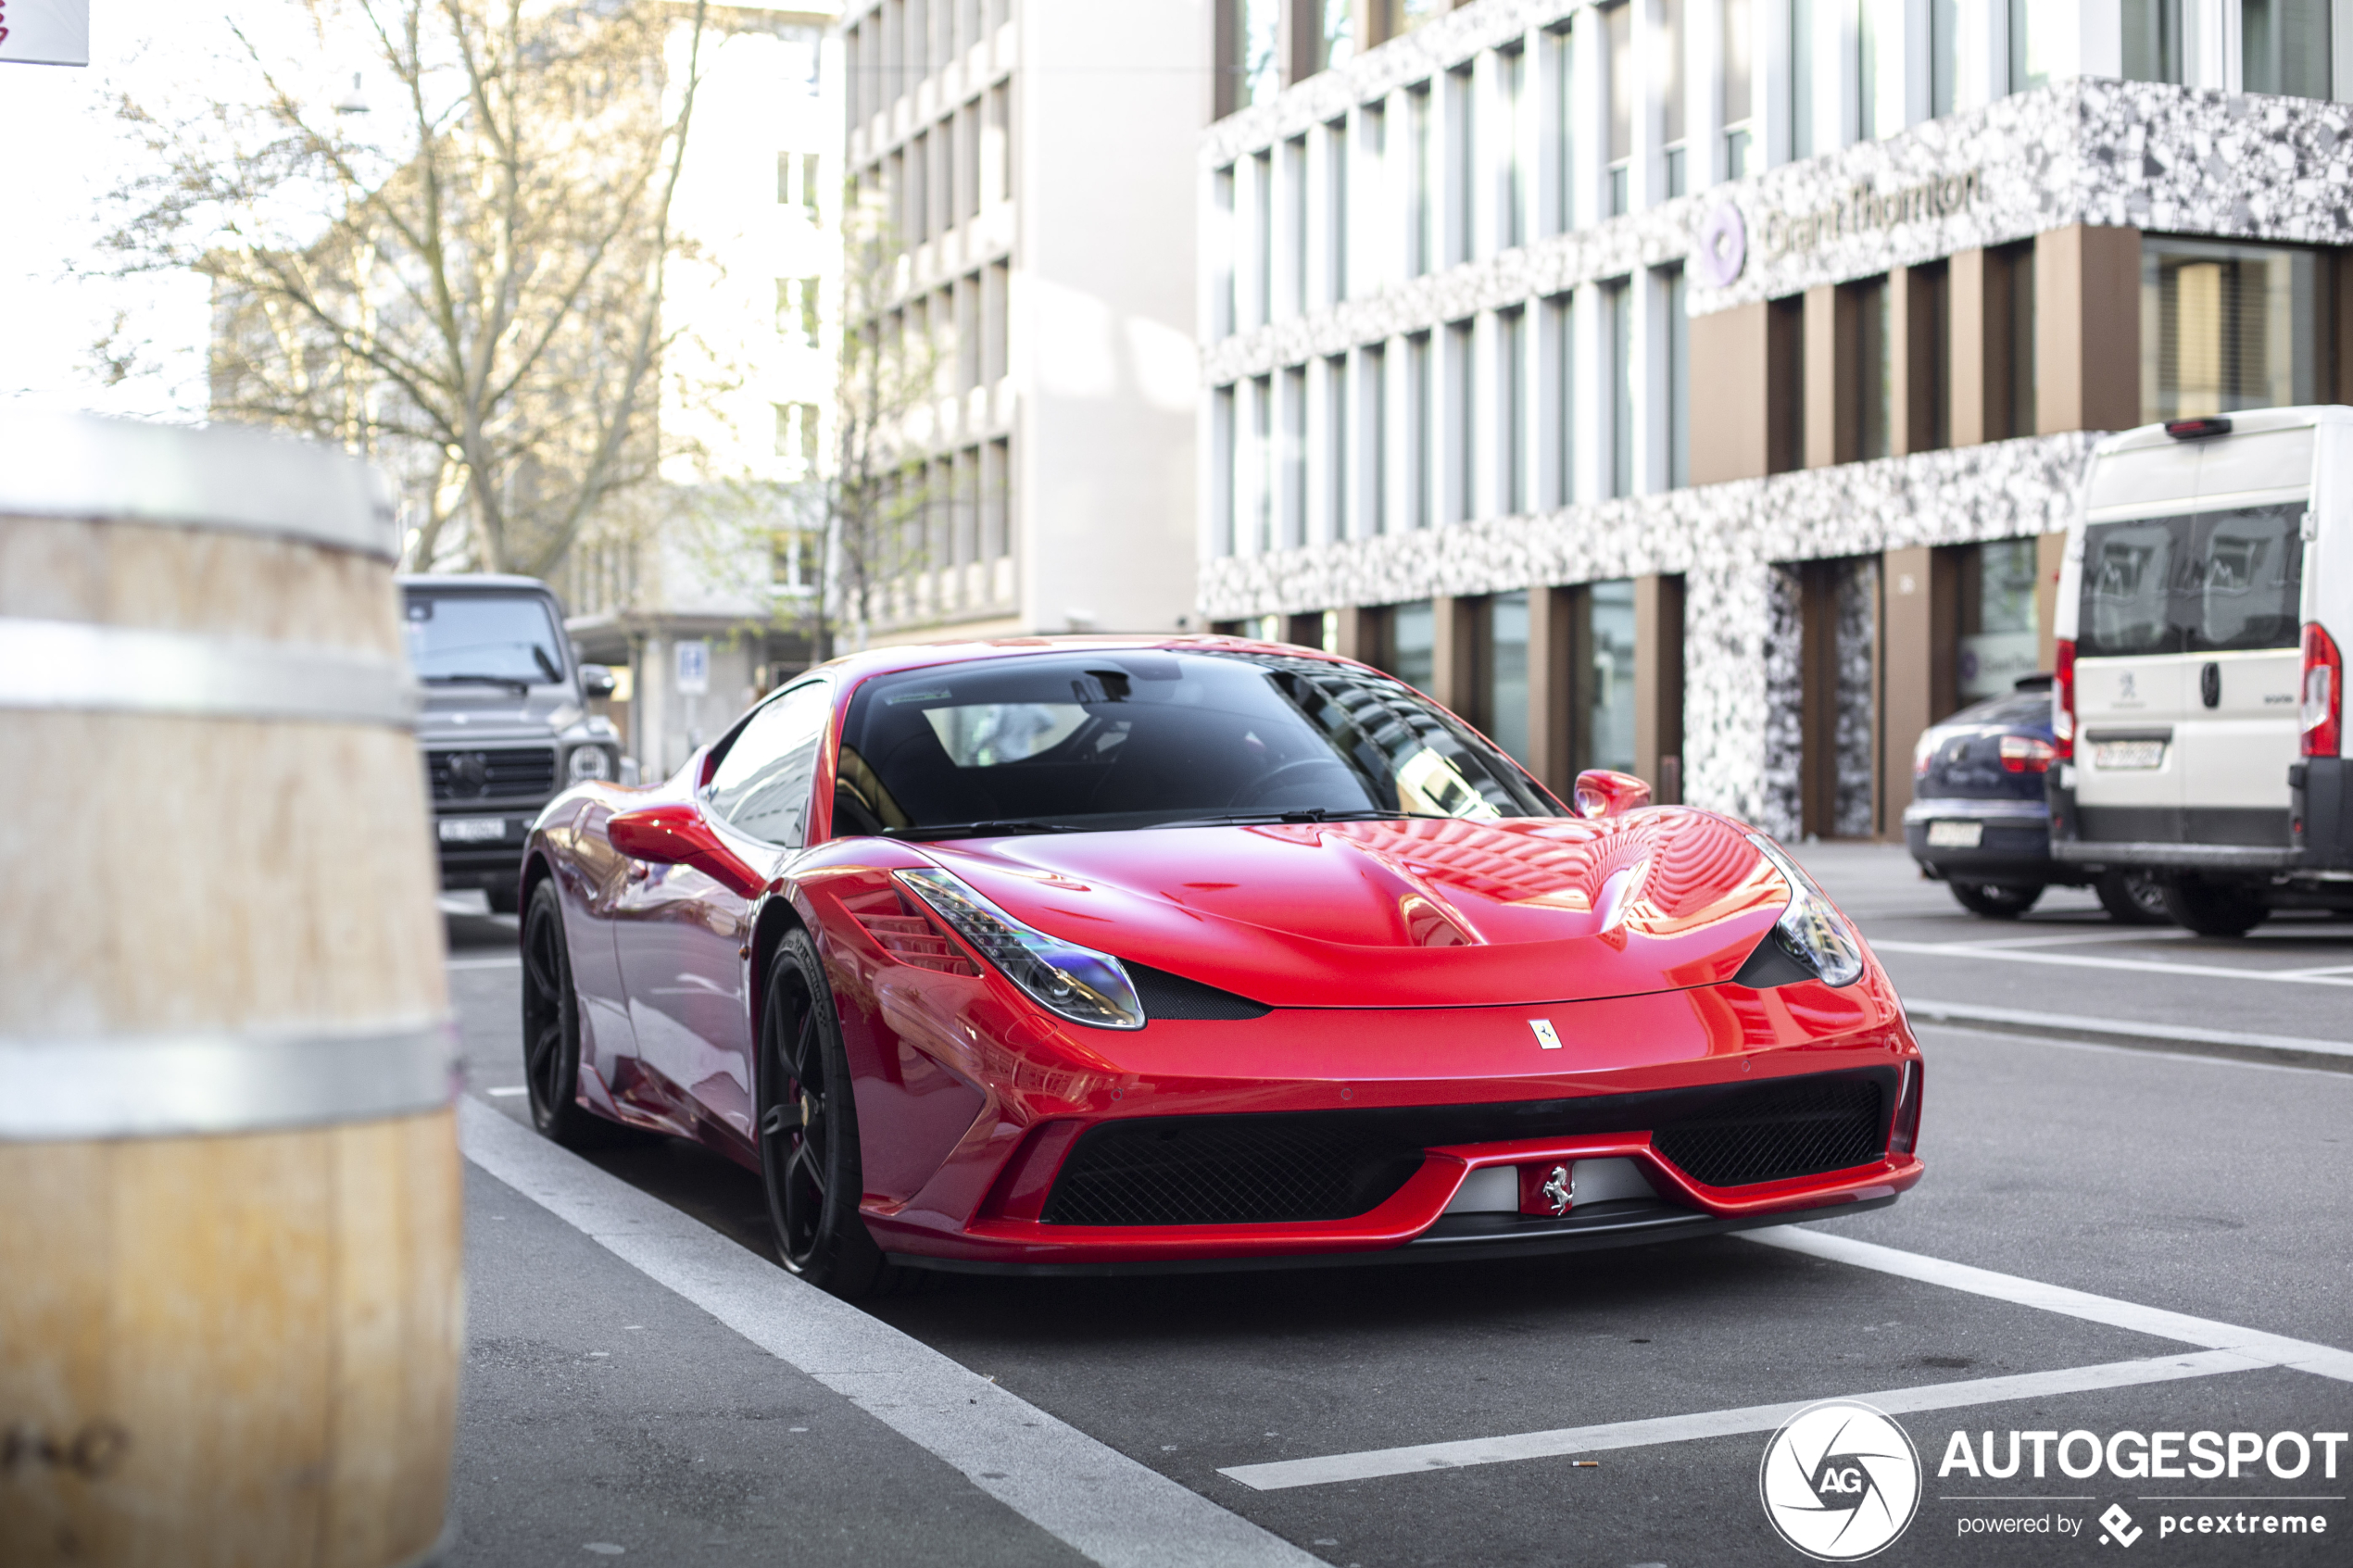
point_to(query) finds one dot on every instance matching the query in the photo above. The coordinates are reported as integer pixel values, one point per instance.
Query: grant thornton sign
(1862, 210)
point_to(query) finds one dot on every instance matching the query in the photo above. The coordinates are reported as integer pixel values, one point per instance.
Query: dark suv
(1979, 823)
(505, 725)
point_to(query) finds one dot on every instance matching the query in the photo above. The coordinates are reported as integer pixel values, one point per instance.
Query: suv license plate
(1954, 836)
(473, 830)
(2117, 754)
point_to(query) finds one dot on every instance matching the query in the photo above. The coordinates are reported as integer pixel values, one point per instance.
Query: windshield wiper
(521, 683)
(1306, 814)
(977, 830)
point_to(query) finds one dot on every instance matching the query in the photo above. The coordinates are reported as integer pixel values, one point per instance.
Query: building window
(1874, 118)
(1335, 210)
(1224, 493)
(1294, 457)
(1511, 223)
(2227, 326)
(1336, 39)
(1000, 139)
(1420, 253)
(1678, 389)
(1945, 54)
(2009, 348)
(1560, 324)
(1927, 336)
(1619, 83)
(919, 189)
(1866, 397)
(1336, 448)
(1998, 640)
(1462, 157)
(995, 287)
(1511, 412)
(1505, 698)
(797, 317)
(797, 438)
(1739, 23)
(1295, 225)
(1667, 42)
(2027, 68)
(2283, 47)
(997, 499)
(1223, 321)
(969, 333)
(1413, 644)
(968, 138)
(1423, 415)
(1372, 145)
(1607, 677)
(1261, 465)
(1785, 384)
(1558, 52)
(1801, 78)
(2152, 40)
(1257, 62)
(1618, 309)
(1262, 238)
(1461, 425)
(1374, 371)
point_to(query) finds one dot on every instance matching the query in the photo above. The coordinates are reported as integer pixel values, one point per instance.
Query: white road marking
(502, 960)
(2145, 966)
(1282, 1474)
(1969, 1012)
(2090, 939)
(2271, 1349)
(505, 1091)
(2193, 1059)
(1108, 1507)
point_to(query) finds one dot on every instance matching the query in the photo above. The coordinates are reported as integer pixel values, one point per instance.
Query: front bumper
(487, 863)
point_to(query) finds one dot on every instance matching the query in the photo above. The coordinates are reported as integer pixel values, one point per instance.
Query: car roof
(857, 667)
(471, 580)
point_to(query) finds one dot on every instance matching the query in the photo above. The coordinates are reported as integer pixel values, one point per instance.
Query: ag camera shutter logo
(1840, 1481)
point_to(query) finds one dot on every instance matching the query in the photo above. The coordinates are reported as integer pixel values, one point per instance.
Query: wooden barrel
(231, 1308)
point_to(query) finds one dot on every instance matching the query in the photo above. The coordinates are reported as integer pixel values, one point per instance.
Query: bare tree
(466, 279)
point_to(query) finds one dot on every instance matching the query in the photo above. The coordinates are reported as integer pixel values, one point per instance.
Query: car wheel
(503, 901)
(551, 1031)
(2213, 908)
(1995, 901)
(2133, 898)
(807, 1125)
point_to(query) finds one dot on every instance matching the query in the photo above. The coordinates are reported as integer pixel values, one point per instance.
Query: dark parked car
(1979, 823)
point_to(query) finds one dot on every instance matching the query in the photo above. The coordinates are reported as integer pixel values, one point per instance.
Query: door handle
(2209, 685)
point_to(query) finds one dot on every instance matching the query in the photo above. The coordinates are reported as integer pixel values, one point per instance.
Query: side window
(762, 785)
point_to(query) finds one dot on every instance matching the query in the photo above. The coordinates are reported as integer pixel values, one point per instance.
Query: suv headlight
(589, 762)
(1813, 934)
(1077, 983)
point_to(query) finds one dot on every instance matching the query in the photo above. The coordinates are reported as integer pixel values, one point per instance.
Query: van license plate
(2117, 754)
(1954, 836)
(472, 830)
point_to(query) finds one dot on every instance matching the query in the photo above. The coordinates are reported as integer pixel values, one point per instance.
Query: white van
(2199, 687)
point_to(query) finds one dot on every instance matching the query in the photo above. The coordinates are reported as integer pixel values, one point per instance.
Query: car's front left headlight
(1814, 935)
(1077, 983)
(589, 762)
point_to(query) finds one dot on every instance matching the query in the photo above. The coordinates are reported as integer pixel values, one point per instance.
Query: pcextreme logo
(1840, 1481)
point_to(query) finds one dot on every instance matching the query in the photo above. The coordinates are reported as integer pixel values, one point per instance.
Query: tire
(810, 1164)
(503, 901)
(1995, 901)
(551, 1033)
(2133, 898)
(2214, 907)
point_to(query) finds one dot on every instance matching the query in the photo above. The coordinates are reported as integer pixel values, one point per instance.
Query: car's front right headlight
(589, 762)
(1814, 935)
(1078, 983)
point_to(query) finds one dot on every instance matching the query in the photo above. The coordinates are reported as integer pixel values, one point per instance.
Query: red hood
(1415, 914)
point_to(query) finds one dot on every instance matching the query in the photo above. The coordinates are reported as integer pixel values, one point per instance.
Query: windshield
(2205, 581)
(483, 637)
(1122, 740)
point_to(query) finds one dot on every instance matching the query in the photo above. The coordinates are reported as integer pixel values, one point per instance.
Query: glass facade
(1998, 634)
(1607, 696)
(2227, 326)
(1506, 694)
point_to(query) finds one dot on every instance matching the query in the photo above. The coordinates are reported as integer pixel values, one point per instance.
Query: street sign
(45, 32)
(694, 660)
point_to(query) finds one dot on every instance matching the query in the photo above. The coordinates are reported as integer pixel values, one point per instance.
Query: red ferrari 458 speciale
(1091, 953)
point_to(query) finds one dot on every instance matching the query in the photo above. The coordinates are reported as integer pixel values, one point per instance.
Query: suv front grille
(1280, 1168)
(512, 772)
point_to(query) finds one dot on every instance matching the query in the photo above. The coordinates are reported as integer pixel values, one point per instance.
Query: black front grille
(512, 772)
(1770, 1132)
(1225, 1171)
(1279, 1168)
(1188, 1001)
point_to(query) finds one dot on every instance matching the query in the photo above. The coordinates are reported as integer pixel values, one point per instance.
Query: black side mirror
(596, 680)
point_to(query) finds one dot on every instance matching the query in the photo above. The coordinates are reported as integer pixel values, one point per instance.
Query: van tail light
(2027, 753)
(1904, 1132)
(2063, 703)
(2324, 710)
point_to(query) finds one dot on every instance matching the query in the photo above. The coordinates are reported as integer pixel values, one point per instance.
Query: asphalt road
(629, 1395)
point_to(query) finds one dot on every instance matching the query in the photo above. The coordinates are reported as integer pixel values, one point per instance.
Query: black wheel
(551, 1030)
(2215, 907)
(2133, 897)
(1995, 901)
(809, 1159)
(503, 901)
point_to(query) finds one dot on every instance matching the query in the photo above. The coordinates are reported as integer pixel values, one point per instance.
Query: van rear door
(2242, 624)
(2130, 691)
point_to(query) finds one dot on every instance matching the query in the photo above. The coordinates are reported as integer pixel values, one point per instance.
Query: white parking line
(1282, 1474)
(2109, 1028)
(2090, 939)
(1105, 1505)
(502, 961)
(2145, 966)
